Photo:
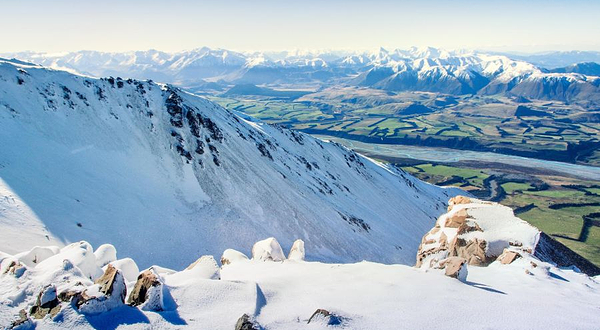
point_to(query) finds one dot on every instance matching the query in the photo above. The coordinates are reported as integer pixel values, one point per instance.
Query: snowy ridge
(423, 69)
(65, 290)
(164, 176)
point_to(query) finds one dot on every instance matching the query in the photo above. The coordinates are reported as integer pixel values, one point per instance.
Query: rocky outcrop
(22, 322)
(477, 233)
(297, 251)
(147, 292)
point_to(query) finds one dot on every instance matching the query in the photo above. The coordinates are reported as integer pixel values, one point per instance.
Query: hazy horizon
(269, 25)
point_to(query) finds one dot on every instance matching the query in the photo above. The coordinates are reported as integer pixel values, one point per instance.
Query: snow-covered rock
(108, 292)
(476, 231)
(37, 255)
(105, 254)
(80, 254)
(128, 268)
(205, 267)
(267, 250)
(148, 292)
(230, 256)
(297, 251)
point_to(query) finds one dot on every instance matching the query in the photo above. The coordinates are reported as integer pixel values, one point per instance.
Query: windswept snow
(526, 294)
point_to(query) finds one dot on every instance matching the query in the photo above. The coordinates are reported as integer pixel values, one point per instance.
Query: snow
(128, 268)
(97, 160)
(297, 252)
(37, 255)
(526, 294)
(230, 256)
(105, 254)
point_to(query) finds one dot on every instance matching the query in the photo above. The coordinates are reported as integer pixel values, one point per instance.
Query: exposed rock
(46, 304)
(107, 280)
(267, 250)
(23, 322)
(245, 323)
(230, 255)
(147, 292)
(456, 219)
(108, 292)
(322, 316)
(458, 200)
(474, 251)
(455, 267)
(467, 228)
(15, 268)
(297, 251)
(508, 256)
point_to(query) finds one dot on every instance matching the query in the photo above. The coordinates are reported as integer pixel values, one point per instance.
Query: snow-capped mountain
(165, 175)
(415, 69)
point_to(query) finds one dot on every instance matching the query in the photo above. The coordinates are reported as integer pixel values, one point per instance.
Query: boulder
(107, 293)
(46, 304)
(206, 267)
(324, 317)
(297, 251)
(267, 250)
(508, 256)
(455, 267)
(147, 292)
(456, 219)
(245, 323)
(230, 256)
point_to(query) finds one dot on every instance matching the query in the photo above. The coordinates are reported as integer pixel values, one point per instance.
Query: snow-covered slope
(165, 176)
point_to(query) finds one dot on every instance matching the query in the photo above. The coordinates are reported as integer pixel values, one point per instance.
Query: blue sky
(66, 25)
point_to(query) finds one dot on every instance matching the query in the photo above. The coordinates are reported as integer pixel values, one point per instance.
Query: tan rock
(454, 267)
(147, 291)
(107, 280)
(508, 256)
(467, 228)
(473, 250)
(457, 219)
(458, 200)
(443, 239)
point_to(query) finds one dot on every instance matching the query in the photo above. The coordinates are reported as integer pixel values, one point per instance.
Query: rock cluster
(460, 238)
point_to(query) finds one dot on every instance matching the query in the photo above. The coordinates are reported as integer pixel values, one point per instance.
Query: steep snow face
(165, 176)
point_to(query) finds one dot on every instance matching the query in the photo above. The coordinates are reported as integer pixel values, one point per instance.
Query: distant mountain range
(416, 69)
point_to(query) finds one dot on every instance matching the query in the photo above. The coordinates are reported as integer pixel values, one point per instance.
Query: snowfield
(526, 294)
